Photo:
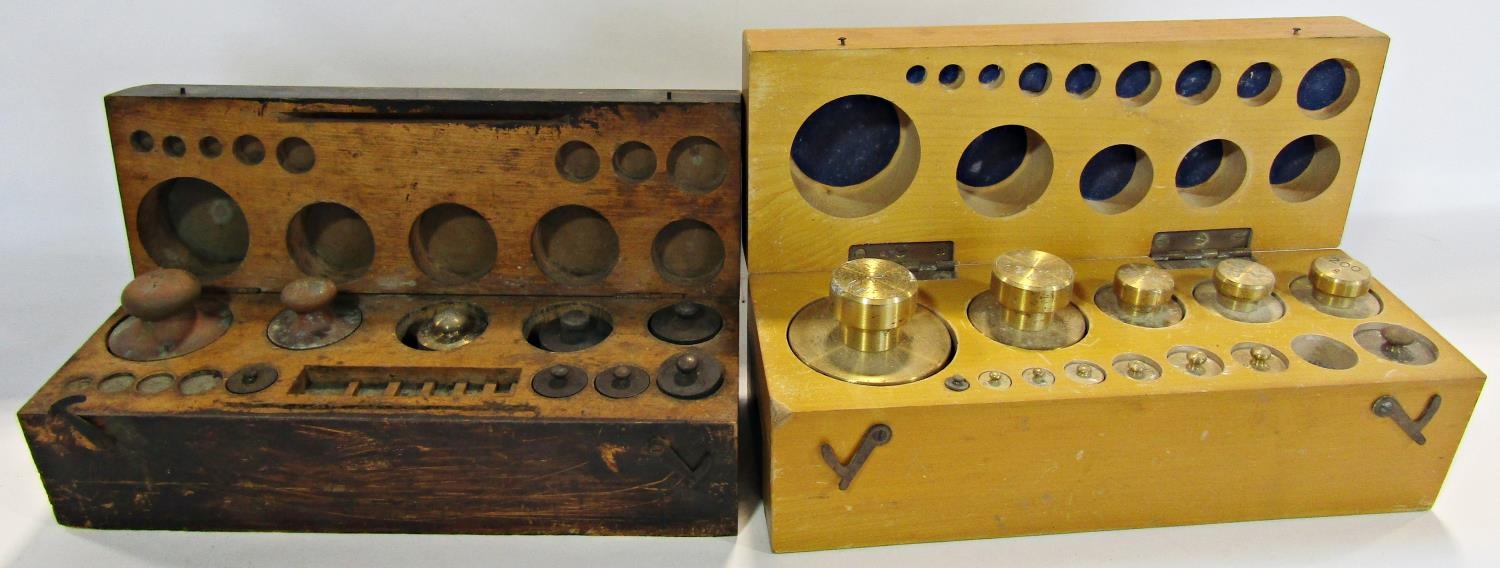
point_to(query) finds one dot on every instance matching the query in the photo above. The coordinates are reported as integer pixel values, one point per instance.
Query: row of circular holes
(695, 164)
(451, 243)
(194, 383)
(294, 154)
(1325, 90)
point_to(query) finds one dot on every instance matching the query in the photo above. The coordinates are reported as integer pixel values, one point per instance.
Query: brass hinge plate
(1190, 249)
(927, 260)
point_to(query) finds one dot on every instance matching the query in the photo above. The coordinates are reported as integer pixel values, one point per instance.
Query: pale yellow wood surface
(1073, 457)
(786, 80)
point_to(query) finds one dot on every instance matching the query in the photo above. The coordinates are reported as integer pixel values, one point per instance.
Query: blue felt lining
(1195, 78)
(1322, 86)
(1134, 80)
(1034, 78)
(950, 74)
(1200, 163)
(1081, 79)
(1108, 172)
(1293, 160)
(916, 74)
(847, 140)
(989, 74)
(1256, 80)
(992, 156)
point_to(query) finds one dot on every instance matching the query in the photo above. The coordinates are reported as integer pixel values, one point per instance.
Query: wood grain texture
(791, 73)
(1182, 449)
(391, 154)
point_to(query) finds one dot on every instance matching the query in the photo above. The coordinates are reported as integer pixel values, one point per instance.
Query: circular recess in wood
(1328, 88)
(1304, 168)
(688, 252)
(210, 147)
(191, 224)
(1210, 172)
(568, 326)
(1198, 82)
(174, 146)
(990, 76)
(577, 161)
(453, 244)
(1035, 79)
(697, 164)
(330, 240)
(951, 76)
(142, 141)
(1004, 170)
(1259, 84)
(1138, 83)
(295, 155)
(155, 383)
(1116, 179)
(117, 382)
(199, 382)
(916, 74)
(854, 156)
(635, 162)
(573, 244)
(249, 150)
(1082, 81)
(1325, 352)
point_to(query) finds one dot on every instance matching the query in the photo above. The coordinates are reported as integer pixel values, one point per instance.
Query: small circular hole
(951, 76)
(1259, 84)
(1328, 88)
(330, 240)
(155, 383)
(78, 384)
(1082, 81)
(1116, 179)
(117, 382)
(249, 150)
(173, 146)
(989, 76)
(453, 244)
(688, 251)
(1004, 170)
(1138, 83)
(295, 155)
(191, 224)
(635, 162)
(577, 161)
(1304, 168)
(1325, 352)
(1035, 78)
(199, 382)
(697, 164)
(142, 141)
(854, 155)
(916, 74)
(1198, 81)
(573, 244)
(210, 147)
(1210, 173)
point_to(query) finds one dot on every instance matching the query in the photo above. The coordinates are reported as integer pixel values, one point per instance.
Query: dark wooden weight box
(509, 210)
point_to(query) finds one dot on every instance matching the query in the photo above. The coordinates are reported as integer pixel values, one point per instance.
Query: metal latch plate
(926, 260)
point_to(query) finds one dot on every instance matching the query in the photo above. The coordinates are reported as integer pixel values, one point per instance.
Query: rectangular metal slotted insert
(407, 381)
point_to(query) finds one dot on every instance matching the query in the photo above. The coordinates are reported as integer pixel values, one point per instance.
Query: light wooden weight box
(1269, 378)
(422, 310)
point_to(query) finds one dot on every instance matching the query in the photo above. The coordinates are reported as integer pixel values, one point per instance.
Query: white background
(1425, 217)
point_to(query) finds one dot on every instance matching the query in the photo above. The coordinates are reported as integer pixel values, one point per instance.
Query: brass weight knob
(1142, 288)
(872, 298)
(1338, 280)
(165, 320)
(1241, 283)
(1031, 287)
(310, 319)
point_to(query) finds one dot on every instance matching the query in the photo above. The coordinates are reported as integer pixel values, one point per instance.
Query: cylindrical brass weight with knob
(311, 318)
(1141, 295)
(1242, 289)
(872, 298)
(165, 319)
(1029, 302)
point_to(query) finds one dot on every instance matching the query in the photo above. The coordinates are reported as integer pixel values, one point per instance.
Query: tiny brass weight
(872, 298)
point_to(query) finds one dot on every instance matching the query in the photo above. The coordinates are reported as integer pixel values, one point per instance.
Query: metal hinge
(1188, 249)
(927, 261)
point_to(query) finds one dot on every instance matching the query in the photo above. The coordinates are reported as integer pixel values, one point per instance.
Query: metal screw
(957, 383)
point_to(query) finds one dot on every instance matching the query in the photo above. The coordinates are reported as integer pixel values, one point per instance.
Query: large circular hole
(697, 164)
(1327, 88)
(191, 224)
(1304, 168)
(1210, 173)
(688, 251)
(142, 141)
(453, 244)
(330, 240)
(1116, 178)
(1082, 81)
(249, 150)
(295, 155)
(1259, 83)
(1004, 170)
(577, 161)
(574, 244)
(1138, 83)
(1198, 81)
(1035, 78)
(854, 155)
(635, 162)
